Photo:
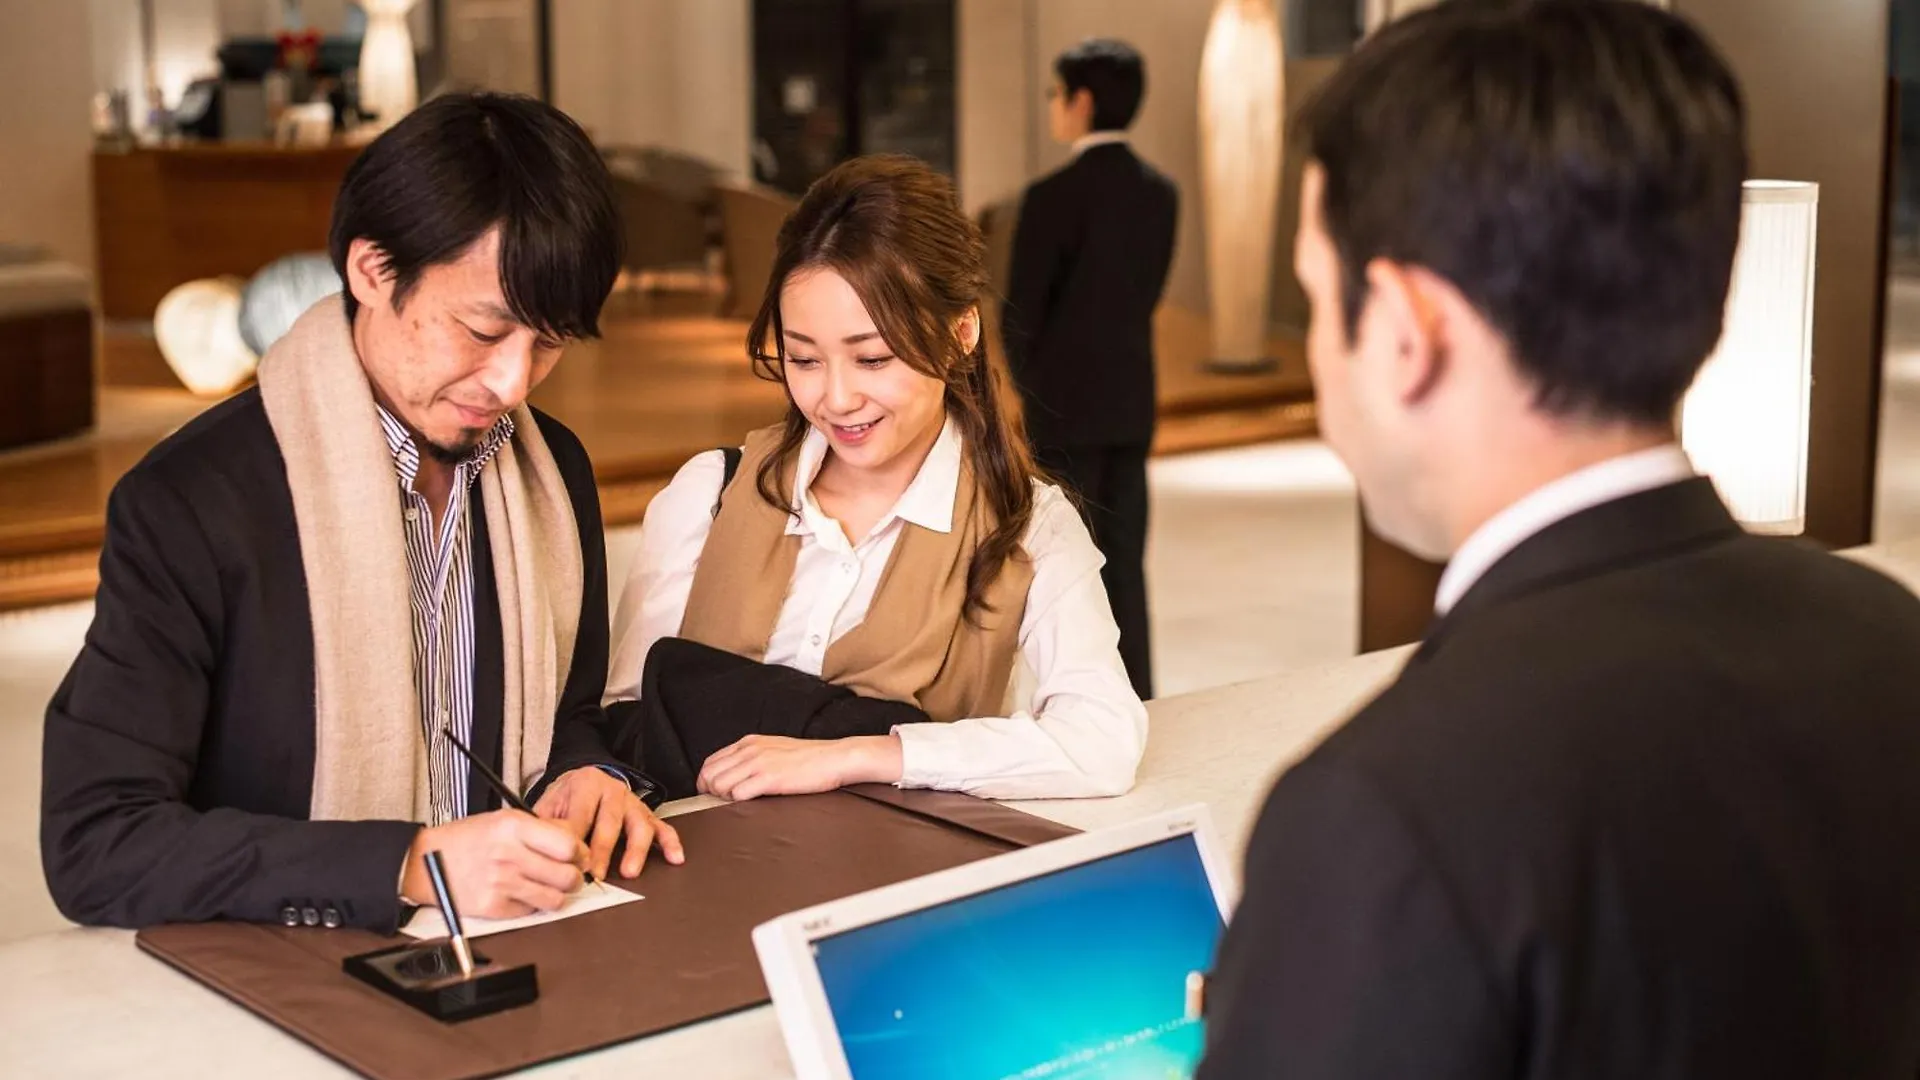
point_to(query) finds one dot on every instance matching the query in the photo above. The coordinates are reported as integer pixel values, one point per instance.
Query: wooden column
(1396, 593)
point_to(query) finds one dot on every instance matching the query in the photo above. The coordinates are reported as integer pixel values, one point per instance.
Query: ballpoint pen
(499, 786)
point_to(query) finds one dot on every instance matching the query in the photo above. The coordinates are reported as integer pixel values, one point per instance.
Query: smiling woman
(892, 536)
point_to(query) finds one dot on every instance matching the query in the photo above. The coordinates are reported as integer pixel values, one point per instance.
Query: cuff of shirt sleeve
(404, 913)
(921, 751)
(637, 782)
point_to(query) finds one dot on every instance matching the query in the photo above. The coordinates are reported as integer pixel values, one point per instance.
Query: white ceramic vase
(1242, 100)
(389, 86)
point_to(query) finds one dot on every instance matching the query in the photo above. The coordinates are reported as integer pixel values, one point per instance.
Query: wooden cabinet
(166, 216)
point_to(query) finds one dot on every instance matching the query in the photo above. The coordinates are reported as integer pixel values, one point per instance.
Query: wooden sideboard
(164, 216)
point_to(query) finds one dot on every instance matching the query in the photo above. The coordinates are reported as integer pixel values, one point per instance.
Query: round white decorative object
(281, 292)
(198, 328)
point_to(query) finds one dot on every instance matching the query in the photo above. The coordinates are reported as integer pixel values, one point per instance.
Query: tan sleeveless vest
(914, 645)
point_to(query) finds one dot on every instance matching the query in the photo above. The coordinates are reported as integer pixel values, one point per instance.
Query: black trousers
(1111, 483)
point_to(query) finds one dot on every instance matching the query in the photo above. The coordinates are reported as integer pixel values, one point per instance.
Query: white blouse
(1077, 728)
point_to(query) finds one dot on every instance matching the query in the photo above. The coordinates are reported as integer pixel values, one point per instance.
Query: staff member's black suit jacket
(178, 764)
(1091, 252)
(1645, 805)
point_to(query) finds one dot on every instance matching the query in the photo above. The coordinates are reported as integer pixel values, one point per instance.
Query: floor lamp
(1744, 423)
(1241, 103)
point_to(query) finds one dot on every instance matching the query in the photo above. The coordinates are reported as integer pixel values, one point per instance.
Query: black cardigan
(179, 752)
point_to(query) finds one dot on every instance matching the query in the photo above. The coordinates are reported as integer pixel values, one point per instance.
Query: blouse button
(814, 640)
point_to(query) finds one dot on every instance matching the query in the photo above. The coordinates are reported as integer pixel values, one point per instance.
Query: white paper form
(427, 923)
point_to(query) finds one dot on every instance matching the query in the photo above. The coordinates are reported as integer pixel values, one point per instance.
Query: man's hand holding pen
(502, 864)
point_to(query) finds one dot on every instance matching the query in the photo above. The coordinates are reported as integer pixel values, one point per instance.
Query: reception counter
(85, 1002)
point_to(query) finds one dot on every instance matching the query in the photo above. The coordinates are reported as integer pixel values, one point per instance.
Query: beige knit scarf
(370, 749)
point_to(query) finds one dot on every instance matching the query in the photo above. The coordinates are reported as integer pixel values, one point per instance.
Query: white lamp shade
(1744, 423)
(197, 327)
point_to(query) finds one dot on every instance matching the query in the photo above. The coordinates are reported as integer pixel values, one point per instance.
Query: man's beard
(457, 452)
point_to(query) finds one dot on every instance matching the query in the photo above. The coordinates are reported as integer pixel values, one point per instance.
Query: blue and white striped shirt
(440, 566)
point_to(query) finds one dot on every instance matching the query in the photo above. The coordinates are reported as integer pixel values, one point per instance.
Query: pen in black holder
(447, 980)
(450, 912)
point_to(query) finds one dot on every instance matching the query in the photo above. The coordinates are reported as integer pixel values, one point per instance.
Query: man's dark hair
(1112, 72)
(462, 164)
(1573, 167)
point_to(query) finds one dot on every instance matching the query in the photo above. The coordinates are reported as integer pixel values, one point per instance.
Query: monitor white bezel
(784, 945)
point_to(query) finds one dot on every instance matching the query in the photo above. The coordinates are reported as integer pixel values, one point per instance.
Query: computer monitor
(1077, 959)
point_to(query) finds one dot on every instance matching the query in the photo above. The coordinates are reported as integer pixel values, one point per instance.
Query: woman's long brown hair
(893, 228)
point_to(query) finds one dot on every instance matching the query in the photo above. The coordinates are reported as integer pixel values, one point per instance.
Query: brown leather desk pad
(682, 955)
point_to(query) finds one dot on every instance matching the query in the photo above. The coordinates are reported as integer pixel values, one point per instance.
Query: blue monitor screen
(1075, 975)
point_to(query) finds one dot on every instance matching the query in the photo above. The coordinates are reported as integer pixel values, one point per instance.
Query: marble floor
(1253, 570)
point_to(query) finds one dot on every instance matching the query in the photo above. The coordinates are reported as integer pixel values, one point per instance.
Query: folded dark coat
(696, 700)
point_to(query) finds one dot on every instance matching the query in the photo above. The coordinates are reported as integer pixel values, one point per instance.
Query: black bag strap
(731, 455)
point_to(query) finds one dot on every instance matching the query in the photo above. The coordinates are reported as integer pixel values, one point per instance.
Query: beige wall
(678, 73)
(46, 84)
(115, 39)
(1006, 59)
(996, 154)
(186, 34)
(670, 73)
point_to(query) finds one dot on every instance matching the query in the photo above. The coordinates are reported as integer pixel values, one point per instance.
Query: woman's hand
(772, 765)
(600, 809)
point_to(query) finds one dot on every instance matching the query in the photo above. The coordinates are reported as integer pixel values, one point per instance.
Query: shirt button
(445, 716)
(413, 514)
(814, 640)
(848, 568)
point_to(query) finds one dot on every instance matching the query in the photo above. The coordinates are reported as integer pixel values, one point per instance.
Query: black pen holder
(427, 977)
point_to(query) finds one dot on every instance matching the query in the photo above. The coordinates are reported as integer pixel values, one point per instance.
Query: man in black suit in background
(1644, 803)
(1090, 260)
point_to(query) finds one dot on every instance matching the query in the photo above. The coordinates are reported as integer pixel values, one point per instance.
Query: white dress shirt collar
(927, 502)
(1614, 478)
(1097, 138)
